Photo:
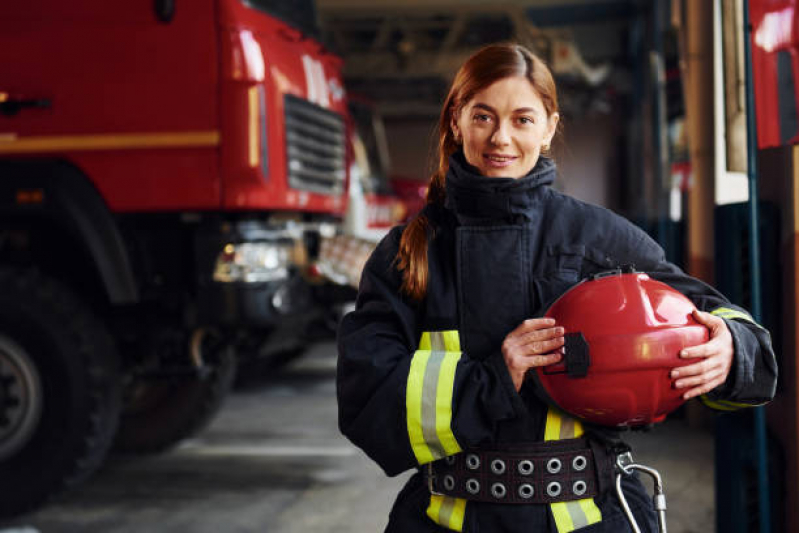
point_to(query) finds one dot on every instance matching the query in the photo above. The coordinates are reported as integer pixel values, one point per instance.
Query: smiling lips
(499, 160)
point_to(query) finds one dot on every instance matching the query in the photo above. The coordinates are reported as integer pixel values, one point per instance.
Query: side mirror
(164, 10)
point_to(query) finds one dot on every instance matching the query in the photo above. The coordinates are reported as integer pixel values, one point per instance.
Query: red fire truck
(168, 169)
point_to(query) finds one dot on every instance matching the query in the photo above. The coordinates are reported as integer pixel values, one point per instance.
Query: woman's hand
(716, 359)
(536, 342)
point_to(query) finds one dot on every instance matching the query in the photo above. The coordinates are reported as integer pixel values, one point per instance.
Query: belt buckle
(430, 477)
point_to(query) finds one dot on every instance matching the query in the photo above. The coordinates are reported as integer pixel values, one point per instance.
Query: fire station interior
(667, 118)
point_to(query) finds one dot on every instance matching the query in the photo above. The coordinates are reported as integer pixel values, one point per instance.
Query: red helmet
(624, 332)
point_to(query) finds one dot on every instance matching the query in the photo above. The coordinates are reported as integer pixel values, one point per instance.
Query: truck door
(129, 98)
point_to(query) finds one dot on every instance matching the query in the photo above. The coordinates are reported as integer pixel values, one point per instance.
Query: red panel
(774, 24)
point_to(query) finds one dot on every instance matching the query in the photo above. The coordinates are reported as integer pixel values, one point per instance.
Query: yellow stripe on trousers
(447, 512)
(575, 514)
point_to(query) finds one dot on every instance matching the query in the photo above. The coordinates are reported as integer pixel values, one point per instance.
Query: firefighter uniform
(422, 381)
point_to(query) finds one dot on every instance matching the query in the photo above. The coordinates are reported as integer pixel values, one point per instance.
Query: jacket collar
(479, 200)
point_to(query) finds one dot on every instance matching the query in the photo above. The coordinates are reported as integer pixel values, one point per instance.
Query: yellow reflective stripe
(576, 514)
(458, 513)
(592, 512)
(452, 341)
(434, 507)
(109, 141)
(552, 428)
(447, 512)
(726, 405)
(429, 392)
(413, 406)
(446, 382)
(563, 519)
(424, 342)
(730, 314)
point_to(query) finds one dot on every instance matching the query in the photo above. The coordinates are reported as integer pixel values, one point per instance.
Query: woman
(432, 361)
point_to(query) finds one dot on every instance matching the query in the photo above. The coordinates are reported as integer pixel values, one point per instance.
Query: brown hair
(486, 66)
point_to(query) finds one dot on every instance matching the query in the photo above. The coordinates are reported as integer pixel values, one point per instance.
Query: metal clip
(625, 465)
(430, 477)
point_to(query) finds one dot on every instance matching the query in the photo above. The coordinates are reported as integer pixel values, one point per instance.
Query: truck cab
(167, 171)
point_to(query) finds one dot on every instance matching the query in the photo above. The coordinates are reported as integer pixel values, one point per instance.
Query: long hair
(485, 67)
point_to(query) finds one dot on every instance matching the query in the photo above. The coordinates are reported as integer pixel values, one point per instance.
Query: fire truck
(168, 170)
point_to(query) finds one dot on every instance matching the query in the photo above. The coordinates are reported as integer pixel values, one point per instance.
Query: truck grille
(314, 146)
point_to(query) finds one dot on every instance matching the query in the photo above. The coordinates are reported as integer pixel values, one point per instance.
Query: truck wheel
(159, 413)
(60, 392)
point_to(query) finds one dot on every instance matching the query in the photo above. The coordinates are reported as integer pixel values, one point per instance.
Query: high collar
(476, 199)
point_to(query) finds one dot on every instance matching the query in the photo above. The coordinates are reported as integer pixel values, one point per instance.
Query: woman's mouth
(499, 160)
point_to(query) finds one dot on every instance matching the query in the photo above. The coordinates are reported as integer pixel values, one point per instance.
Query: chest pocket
(564, 266)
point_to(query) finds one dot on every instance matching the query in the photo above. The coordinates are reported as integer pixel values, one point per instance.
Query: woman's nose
(501, 136)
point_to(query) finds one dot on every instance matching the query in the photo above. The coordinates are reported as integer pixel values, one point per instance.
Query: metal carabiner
(625, 465)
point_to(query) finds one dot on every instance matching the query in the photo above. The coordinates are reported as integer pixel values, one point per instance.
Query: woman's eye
(482, 118)
(526, 120)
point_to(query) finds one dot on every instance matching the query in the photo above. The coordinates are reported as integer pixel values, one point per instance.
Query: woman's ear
(552, 127)
(456, 132)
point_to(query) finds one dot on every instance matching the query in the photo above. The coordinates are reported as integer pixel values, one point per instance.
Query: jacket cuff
(497, 363)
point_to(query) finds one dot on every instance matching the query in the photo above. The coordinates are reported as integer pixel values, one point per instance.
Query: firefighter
(448, 321)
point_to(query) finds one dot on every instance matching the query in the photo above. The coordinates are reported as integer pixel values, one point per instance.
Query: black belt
(543, 472)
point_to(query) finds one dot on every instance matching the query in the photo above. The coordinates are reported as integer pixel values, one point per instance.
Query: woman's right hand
(536, 342)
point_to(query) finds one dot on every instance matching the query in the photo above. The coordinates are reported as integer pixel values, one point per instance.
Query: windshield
(300, 14)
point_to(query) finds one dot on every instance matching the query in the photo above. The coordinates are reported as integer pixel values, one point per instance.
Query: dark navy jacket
(500, 251)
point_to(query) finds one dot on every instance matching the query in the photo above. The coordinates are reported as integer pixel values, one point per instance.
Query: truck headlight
(253, 262)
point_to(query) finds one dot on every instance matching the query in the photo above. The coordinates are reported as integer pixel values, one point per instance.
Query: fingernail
(683, 353)
(675, 374)
(560, 330)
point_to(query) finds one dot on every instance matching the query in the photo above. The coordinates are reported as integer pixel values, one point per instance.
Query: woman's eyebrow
(492, 110)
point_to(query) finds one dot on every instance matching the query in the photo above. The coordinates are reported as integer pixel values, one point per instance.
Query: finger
(712, 322)
(708, 349)
(703, 389)
(533, 324)
(544, 360)
(695, 369)
(695, 381)
(542, 347)
(542, 335)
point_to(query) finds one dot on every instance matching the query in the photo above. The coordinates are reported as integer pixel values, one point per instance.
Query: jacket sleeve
(753, 377)
(407, 402)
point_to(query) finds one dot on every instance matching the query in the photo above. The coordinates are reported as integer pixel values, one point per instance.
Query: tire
(158, 414)
(60, 390)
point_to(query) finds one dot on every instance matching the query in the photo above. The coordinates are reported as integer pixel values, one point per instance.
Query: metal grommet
(526, 491)
(554, 465)
(579, 463)
(449, 482)
(472, 462)
(526, 467)
(450, 460)
(553, 489)
(579, 487)
(472, 486)
(498, 491)
(498, 466)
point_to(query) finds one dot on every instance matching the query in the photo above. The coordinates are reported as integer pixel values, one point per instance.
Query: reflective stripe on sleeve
(726, 405)
(575, 514)
(447, 512)
(428, 399)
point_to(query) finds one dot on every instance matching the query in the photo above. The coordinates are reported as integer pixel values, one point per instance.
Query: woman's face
(503, 128)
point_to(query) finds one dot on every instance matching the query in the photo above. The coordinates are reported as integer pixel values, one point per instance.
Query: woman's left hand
(716, 359)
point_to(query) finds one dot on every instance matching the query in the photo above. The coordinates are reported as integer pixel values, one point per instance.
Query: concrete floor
(273, 461)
